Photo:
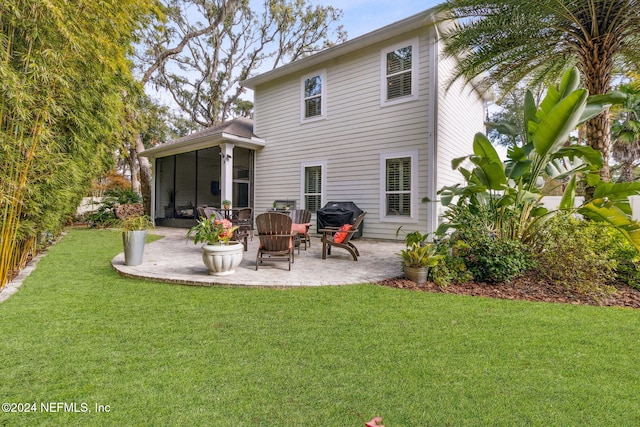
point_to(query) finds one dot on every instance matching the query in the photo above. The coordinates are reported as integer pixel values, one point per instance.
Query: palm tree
(626, 131)
(507, 40)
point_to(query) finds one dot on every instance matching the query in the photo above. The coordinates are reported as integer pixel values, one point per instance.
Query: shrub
(492, 259)
(580, 254)
(451, 269)
(487, 255)
(105, 216)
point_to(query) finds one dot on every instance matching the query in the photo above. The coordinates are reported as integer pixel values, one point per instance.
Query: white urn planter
(223, 259)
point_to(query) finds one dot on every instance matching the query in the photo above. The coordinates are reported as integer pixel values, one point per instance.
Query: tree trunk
(133, 168)
(145, 175)
(598, 135)
(627, 172)
(596, 66)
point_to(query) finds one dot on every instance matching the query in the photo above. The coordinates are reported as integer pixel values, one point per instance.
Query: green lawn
(160, 354)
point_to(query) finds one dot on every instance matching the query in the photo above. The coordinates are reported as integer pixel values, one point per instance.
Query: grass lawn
(160, 354)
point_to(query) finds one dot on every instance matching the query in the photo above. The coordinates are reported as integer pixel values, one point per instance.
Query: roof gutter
(201, 143)
(416, 21)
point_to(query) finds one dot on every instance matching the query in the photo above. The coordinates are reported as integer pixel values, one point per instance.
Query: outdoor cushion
(300, 228)
(342, 233)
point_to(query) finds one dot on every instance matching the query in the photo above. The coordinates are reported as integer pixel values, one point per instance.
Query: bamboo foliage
(59, 109)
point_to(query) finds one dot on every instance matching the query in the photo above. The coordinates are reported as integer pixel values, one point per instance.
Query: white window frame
(415, 61)
(323, 176)
(413, 155)
(323, 97)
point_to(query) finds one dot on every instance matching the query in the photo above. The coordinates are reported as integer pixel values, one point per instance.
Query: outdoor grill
(335, 214)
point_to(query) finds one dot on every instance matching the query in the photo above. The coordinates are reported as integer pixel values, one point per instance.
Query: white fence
(552, 202)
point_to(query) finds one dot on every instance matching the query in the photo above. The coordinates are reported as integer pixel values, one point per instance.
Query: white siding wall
(350, 141)
(460, 117)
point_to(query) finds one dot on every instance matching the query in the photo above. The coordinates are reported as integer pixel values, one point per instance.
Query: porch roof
(238, 131)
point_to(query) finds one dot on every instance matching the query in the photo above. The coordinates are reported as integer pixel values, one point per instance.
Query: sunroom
(203, 169)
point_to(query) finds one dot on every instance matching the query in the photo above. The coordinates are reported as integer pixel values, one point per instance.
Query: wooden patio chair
(209, 212)
(301, 222)
(340, 237)
(244, 220)
(276, 237)
(245, 225)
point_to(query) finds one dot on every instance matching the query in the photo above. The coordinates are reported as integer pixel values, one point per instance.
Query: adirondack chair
(276, 238)
(301, 222)
(340, 237)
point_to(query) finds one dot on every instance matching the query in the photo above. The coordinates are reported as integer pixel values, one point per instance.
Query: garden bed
(529, 289)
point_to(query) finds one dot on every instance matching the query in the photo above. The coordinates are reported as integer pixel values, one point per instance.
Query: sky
(362, 16)
(359, 17)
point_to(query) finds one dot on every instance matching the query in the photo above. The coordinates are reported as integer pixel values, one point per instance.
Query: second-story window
(313, 102)
(399, 73)
(399, 65)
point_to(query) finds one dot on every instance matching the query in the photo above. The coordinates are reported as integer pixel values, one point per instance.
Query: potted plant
(418, 257)
(134, 233)
(226, 204)
(219, 254)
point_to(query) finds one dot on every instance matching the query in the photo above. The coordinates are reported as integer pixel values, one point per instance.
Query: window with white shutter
(400, 73)
(312, 187)
(398, 186)
(398, 189)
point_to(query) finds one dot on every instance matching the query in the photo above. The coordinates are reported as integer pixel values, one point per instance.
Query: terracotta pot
(222, 260)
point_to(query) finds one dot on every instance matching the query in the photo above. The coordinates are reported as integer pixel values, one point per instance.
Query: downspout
(432, 142)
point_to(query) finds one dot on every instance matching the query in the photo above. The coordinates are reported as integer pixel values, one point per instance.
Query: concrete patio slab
(174, 259)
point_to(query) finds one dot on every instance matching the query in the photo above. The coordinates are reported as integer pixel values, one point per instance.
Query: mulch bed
(529, 289)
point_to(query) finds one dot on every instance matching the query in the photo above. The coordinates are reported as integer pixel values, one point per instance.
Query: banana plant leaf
(551, 133)
(601, 210)
(569, 196)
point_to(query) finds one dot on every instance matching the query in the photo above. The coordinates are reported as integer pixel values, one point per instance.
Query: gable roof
(238, 131)
(406, 25)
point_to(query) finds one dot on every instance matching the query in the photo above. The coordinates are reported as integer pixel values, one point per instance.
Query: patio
(174, 259)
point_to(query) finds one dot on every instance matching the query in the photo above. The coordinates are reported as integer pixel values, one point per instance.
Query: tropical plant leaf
(615, 97)
(551, 99)
(505, 128)
(482, 147)
(516, 169)
(455, 163)
(539, 211)
(553, 130)
(599, 210)
(569, 196)
(569, 82)
(616, 190)
(530, 107)
(587, 154)
(490, 173)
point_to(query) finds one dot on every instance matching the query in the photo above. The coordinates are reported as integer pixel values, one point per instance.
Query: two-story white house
(372, 121)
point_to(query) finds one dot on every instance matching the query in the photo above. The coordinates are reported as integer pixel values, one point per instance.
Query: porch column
(226, 172)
